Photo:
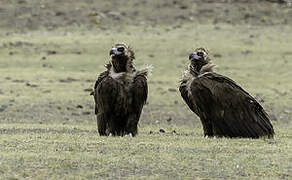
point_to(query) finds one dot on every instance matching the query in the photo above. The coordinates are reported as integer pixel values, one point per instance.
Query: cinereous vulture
(225, 109)
(120, 93)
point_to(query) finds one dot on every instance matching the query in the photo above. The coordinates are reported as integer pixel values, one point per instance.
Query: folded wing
(232, 111)
(140, 93)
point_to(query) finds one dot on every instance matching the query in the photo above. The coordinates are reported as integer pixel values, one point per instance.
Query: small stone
(21, 1)
(79, 106)
(75, 114)
(86, 113)
(217, 55)
(68, 80)
(77, 52)
(171, 90)
(161, 130)
(31, 85)
(51, 52)
(246, 52)
(151, 55)
(59, 13)
(183, 7)
(272, 142)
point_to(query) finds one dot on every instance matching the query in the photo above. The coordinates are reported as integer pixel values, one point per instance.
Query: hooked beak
(115, 52)
(194, 56)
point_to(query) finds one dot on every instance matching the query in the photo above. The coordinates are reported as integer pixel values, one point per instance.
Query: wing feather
(108, 98)
(233, 111)
(184, 93)
(100, 78)
(140, 91)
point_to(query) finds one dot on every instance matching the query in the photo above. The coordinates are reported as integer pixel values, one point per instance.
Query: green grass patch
(78, 152)
(48, 129)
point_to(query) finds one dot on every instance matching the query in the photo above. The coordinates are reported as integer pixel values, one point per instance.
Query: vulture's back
(230, 109)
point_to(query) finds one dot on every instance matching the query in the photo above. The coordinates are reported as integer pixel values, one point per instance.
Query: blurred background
(52, 51)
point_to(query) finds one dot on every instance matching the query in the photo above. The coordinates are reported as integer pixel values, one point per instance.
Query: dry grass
(48, 129)
(77, 152)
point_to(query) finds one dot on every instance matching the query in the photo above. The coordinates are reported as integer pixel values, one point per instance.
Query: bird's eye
(200, 54)
(121, 49)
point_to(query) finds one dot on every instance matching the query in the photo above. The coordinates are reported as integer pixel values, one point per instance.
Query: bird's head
(121, 57)
(199, 56)
(121, 51)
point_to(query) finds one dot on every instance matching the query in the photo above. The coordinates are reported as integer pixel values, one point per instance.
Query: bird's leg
(113, 128)
(101, 124)
(132, 125)
(207, 127)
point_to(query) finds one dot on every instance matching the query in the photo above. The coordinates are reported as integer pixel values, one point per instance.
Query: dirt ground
(22, 18)
(26, 15)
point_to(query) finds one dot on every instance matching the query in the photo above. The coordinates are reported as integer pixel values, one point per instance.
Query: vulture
(120, 93)
(225, 109)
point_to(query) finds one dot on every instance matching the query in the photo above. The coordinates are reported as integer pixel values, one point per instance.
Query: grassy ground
(47, 125)
(76, 152)
(47, 72)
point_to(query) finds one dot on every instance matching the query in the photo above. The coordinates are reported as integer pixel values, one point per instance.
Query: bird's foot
(209, 137)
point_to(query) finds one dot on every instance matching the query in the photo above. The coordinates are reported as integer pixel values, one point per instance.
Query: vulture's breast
(125, 81)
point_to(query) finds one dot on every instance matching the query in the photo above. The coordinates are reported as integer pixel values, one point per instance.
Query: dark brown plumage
(225, 109)
(120, 93)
